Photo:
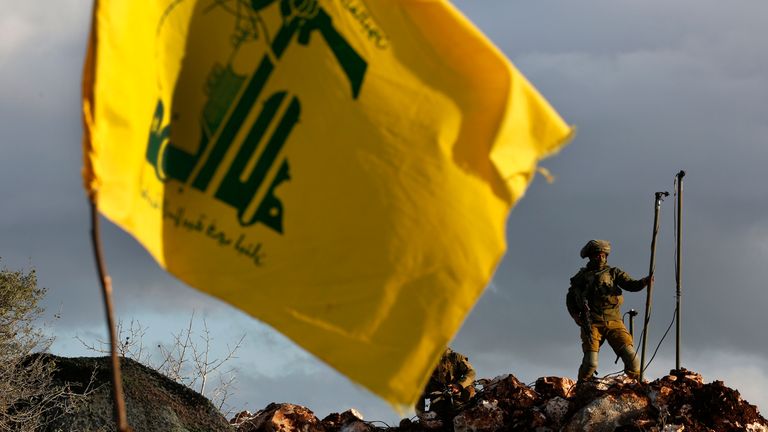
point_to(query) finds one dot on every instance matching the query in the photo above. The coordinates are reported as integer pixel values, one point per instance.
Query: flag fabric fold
(339, 169)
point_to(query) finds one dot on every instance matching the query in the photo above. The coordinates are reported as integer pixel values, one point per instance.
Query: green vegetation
(27, 395)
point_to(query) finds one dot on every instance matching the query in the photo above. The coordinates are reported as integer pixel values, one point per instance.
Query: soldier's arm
(624, 281)
(572, 304)
(467, 376)
(464, 374)
(573, 300)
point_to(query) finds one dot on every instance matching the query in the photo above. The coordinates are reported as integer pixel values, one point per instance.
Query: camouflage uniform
(453, 368)
(600, 285)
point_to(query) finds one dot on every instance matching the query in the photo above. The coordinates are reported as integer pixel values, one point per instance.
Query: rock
(556, 409)
(282, 417)
(430, 420)
(660, 397)
(587, 391)
(549, 387)
(240, 417)
(607, 413)
(483, 417)
(356, 426)
(721, 408)
(687, 376)
(510, 393)
(517, 401)
(350, 420)
(336, 421)
(538, 419)
(407, 424)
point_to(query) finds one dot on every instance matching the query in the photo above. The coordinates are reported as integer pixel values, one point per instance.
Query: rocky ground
(680, 401)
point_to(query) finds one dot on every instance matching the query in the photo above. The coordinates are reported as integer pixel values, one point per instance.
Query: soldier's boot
(631, 361)
(588, 365)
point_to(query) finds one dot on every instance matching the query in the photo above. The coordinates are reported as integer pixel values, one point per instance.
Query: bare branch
(186, 360)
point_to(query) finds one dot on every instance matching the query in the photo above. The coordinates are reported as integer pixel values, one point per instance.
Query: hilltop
(680, 401)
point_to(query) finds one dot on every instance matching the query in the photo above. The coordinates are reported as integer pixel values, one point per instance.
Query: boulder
(510, 393)
(356, 426)
(430, 421)
(556, 410)
(280, 417)
(350, 420)
(607, 413)
(549, 387)
(482, 417)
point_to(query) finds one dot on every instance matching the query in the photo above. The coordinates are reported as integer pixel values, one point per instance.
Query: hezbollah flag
(340, 169)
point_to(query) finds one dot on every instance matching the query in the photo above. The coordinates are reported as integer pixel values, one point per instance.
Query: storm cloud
(653, 87)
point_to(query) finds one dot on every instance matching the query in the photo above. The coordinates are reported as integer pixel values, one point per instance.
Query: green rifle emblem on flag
(231, 97)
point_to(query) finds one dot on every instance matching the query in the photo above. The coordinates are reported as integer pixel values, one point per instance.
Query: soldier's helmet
(595, 246)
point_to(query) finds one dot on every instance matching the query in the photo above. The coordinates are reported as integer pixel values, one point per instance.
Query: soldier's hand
(649, 279)
(454, 388)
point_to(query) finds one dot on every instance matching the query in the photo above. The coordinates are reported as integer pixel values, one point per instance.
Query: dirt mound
(153, 401)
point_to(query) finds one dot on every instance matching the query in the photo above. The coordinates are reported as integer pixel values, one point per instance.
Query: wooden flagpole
(106, 288)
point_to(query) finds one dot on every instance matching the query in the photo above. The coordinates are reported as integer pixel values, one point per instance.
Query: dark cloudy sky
(653, 87)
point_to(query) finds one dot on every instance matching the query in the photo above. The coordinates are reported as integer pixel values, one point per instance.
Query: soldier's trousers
(612, 331)
(618, 338)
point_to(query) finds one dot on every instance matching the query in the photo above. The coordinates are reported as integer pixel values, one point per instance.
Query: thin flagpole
(106, 289)
(679, 267)
(649, 296)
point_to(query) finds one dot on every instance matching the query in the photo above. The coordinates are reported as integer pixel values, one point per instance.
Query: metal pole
(632, 314)
(106, 285)
(679, 265)
(648, 299)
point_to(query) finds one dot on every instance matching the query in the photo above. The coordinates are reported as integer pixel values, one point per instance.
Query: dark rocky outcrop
(153, 401)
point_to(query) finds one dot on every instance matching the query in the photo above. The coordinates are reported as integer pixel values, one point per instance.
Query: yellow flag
(340, 169)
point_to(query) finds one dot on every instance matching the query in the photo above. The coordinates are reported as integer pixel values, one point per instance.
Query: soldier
(594, 300)
(451, 384)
